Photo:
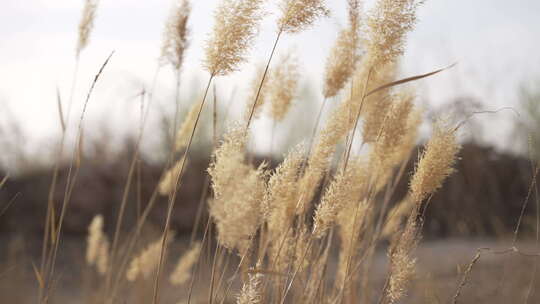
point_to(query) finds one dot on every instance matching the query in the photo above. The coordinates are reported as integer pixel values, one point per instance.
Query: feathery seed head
(223, 168)
(238, 192)
(390, 140)
(402, 261)
(97, 251)
(298, 15)
(351, 222)
(354, 8)
(251, 293)
(408, 141)
(182, 271)
(253, 89)
(282, 86)
(344, 55)
(86, 24)
(302, 257)
(147, 261)
(168, 182)
(347, 186)
(341, 62)
(235, 28)
(388, 23)
(102, 263)
(184, 132)
(281, 196)
(377, 106)
(95, 235)
(436, 162)
(333, 132)
(402, 270)
(175, 36)
(282, 250)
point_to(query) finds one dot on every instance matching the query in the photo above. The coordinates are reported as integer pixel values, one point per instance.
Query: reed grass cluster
(282, 226)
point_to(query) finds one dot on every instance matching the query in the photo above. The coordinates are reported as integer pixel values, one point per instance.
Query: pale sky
(494, 42)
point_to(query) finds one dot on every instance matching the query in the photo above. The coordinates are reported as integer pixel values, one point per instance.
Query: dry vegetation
(305, 231)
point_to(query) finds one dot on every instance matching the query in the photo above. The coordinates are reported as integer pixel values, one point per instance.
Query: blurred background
(495, 44)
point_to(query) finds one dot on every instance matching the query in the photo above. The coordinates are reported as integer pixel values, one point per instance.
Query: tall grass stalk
(50, 261)
(172, 198)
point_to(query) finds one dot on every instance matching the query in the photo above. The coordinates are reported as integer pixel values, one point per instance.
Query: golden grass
(273, 219)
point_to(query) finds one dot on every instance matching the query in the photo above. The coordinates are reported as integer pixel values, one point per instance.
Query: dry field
(440, 268)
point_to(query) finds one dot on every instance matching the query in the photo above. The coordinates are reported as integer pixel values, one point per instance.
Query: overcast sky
(495, 42)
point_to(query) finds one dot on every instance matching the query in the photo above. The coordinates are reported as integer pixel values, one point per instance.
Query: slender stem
(316, 127)
(262, 80)
(214, 143)
(172, 199)
(214, 119)
(204, 191)
(534, 168)
(70, 181)
(288, 288)
(176, 108)
(127, 187)
(132, 240)
(72, 89)
(213, 275)
(236, 271)
(141, 215)
(202, 200)
(199, 258)
(356, 120)
(50, 218)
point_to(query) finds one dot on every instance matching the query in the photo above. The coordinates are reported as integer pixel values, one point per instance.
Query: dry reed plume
(175, 35)
(235, 28)
(182, 272)
(347, 186)
(282, 86)
(281, 195)
(97, 250)
(86, 24)
(344, 54)
(254, 90)
(238, 191)
(284, 223)
(297, 15)
(388, 23)
(318, 163)
(436, 162)
(146, 262)
(402, 262)
(250, 293)
(168, 182)
(184, 132)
